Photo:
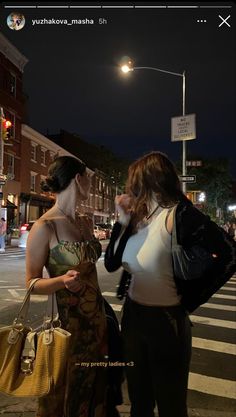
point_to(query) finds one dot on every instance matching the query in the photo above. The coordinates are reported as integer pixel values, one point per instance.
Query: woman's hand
(72, 281)
(124, 201)
(123, 204)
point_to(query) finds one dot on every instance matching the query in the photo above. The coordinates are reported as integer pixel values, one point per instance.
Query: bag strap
(21, 316)
(174, 232)
(50, 309)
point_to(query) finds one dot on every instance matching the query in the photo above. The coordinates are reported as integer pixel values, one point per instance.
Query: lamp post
(1, 155)
(128, 68)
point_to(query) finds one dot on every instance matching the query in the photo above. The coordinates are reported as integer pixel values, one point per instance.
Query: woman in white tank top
(155, 328)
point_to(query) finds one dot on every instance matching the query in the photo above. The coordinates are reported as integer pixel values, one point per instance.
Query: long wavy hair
(152, 176)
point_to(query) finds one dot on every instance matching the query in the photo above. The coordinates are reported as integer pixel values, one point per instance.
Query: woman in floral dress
(62, 240)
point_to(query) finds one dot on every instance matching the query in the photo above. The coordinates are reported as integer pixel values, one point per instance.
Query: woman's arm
(37, 252)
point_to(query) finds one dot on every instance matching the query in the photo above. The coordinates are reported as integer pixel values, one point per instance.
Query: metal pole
(1, 154)
(184, 170)
(184, 141)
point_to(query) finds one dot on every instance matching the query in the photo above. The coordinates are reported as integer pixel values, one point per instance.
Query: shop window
(33, 213)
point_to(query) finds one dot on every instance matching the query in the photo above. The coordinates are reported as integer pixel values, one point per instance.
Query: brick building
(28, 154)
(13, 102)
(37, 154)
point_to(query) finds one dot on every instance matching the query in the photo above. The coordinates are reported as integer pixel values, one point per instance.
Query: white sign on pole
(183, 128)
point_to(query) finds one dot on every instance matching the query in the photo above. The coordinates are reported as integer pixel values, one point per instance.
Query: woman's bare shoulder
(40, 227)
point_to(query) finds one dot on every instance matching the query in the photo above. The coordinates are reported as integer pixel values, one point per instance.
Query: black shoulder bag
(198, 271)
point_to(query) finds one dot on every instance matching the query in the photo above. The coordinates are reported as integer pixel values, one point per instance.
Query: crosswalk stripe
(116, 307)
(227, 297)
(219, 307)
(14, 293)
(213, 322)
(10, 286)
(109, 294)
(37, 298)
(230, 283)
(214, 345)
(228, 288)
(213, 386)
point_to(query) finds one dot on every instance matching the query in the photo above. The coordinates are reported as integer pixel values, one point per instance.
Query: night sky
(73, 79)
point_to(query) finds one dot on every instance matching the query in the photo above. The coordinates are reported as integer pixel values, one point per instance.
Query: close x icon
(224, 21)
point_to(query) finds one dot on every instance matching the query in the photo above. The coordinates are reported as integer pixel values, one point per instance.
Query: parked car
(107, 227)
(24, 233)
(99, 233)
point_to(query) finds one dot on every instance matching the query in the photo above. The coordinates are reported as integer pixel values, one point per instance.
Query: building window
(33, 181)
(42, 178)
(100, 204)
(100, 185)
(52, 154)
(13, 84)
(43, 156)
(33, 152)
(11, 166)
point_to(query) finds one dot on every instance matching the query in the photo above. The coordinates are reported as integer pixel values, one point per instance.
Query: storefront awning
(37, 200)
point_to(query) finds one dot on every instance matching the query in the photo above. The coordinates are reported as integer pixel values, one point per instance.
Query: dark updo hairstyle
(60, 173)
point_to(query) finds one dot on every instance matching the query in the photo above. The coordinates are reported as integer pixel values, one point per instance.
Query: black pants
(157, 349)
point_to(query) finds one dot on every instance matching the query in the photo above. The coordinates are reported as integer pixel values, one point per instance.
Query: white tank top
(147, 256)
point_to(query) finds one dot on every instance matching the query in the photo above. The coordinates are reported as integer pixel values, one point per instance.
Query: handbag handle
(51, 306)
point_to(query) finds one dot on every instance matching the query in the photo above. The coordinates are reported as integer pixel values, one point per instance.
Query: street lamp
(129, 67)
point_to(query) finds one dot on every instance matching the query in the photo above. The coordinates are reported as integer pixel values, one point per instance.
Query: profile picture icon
(16, 21)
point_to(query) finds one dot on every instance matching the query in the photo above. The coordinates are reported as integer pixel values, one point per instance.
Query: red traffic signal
(6, 129)
(7, 124)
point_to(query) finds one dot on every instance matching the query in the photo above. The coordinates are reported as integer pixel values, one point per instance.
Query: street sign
(187, 178)
(193, 163)
(183, 128)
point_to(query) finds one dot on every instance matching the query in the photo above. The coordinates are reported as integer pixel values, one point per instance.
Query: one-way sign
(187, 178)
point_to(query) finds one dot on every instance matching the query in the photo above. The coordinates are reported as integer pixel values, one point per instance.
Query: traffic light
(6, 129)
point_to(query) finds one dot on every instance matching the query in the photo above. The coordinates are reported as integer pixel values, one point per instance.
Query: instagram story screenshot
(117, 209)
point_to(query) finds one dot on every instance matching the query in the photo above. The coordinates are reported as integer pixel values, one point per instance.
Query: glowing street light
(128, 66)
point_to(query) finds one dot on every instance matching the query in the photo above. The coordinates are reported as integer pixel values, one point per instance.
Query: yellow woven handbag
(31, 362)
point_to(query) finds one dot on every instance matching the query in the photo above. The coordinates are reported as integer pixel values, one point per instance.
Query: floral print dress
(83, 392)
